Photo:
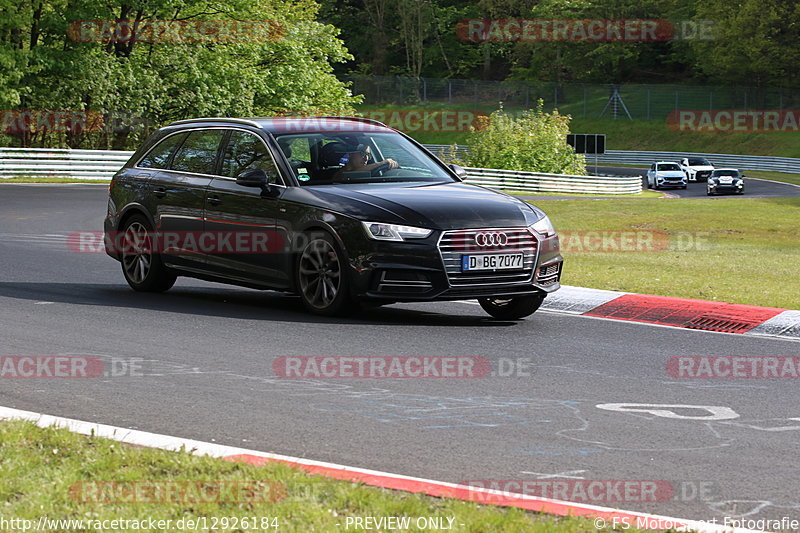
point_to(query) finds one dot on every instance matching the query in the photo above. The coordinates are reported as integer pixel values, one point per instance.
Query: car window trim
(169, 162)
(226, 140)
(216, 157)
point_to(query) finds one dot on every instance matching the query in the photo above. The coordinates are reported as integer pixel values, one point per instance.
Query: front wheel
(141, 264)
(322, 278)
(512, 308)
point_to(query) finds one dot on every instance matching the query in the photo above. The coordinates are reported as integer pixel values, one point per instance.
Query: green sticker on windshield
(304, 177)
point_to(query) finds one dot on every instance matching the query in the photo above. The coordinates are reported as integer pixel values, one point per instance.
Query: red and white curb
(677, 312)
(372, 477)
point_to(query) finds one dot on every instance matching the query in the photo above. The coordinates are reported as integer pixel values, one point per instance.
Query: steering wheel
(379, 170)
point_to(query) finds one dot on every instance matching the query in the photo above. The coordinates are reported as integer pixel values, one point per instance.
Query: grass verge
(41, 465)
(774, 176)
(739, 250)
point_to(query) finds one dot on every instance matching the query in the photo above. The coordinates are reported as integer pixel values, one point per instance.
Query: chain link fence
(643, 102)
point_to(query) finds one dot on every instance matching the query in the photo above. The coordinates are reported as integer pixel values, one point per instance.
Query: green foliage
(143, 85)
(533, 141)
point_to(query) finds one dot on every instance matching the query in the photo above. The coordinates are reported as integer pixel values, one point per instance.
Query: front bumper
(726, 187)
(670, 183)
(415, 271)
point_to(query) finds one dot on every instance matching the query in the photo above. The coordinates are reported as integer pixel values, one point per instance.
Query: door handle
(214, 200)
(160, 192)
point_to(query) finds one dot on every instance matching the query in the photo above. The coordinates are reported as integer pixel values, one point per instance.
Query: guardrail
(742, 162)
(56, 163)
(537, 182)
(102, 164)
(645, 159)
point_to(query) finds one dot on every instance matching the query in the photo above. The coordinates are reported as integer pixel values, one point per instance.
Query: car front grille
(454, 244)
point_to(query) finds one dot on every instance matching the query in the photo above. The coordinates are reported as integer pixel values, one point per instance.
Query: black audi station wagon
(341, 211)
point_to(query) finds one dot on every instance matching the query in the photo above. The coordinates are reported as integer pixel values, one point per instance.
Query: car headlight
(543, 227)
(394, 232)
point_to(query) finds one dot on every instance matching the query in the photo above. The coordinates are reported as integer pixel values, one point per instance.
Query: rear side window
(246, 151)
(198, 154)
(158, 156)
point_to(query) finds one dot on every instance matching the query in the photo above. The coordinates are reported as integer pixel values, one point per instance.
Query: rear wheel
(512, 308)
(141, 265)
(322, 278)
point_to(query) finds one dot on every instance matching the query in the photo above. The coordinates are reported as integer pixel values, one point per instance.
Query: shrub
(533, 141)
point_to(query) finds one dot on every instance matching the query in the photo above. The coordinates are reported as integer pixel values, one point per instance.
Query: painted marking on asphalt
(717, 412)
(566, 475)
(775, 428)
(374, 478)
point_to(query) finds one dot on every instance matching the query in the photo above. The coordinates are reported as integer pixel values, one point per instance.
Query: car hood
(434, 206)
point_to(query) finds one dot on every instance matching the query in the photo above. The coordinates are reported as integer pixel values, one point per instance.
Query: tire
(709, 193)
(321, 277)
(512, 308)
(142, 267)
(685, 187)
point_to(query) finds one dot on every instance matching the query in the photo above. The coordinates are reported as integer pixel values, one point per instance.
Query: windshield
(720, 173)
(322, 158)
(668, 166)
(699, 162)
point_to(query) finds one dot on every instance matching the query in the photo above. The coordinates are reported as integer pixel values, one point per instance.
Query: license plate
(491, 262)
(726, 180)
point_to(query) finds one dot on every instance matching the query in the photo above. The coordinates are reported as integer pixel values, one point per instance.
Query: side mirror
(459, 171)
(255, 177)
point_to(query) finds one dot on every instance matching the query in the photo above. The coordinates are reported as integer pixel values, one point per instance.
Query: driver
(358, 161)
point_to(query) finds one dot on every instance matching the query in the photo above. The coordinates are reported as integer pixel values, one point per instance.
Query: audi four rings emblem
(491, 239)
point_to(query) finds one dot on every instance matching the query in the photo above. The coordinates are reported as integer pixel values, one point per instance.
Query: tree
(287, 68)
(756, 42)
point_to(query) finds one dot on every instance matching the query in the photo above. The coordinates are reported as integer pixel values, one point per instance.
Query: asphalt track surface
(754, 188)
(207, 374)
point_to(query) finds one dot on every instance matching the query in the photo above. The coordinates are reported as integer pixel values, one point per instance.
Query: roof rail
(217, 119)
(359, 119)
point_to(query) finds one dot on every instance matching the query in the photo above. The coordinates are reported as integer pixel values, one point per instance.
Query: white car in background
(697, 168)
(665, 174)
